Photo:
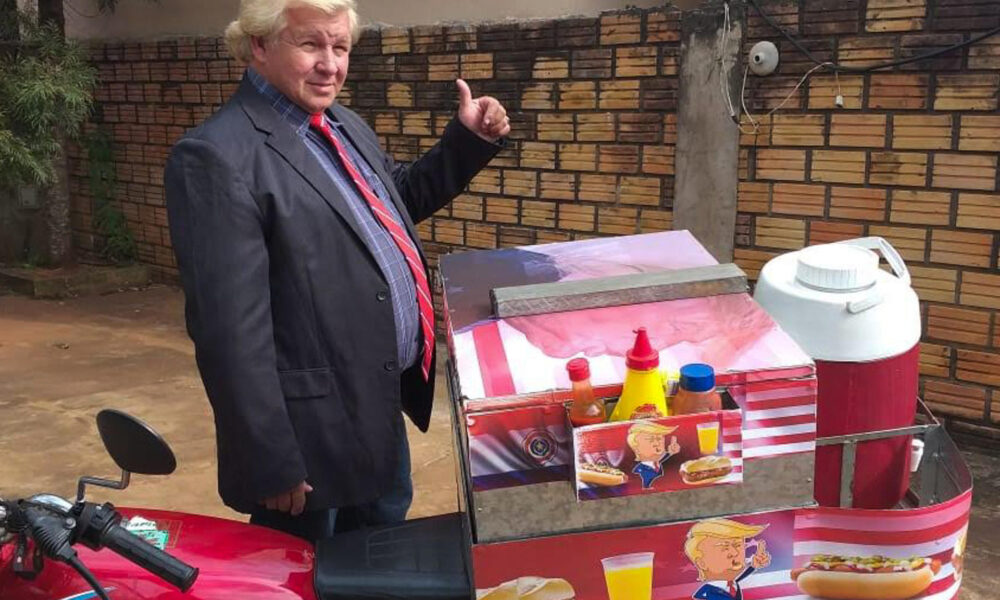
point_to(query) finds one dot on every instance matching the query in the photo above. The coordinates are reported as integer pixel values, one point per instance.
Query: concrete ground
(62, 361)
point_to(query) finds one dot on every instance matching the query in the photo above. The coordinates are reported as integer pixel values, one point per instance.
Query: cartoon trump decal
(718, 549)
(649, 443)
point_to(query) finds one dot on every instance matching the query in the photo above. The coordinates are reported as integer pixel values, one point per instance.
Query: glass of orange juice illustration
(629, 576)
(708, 437)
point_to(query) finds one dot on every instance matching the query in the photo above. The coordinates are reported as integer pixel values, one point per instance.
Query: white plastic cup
(916, 453)
(629, 576)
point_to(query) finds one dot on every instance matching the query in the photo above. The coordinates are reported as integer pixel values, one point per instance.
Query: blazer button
(381, 296)
(390, 365)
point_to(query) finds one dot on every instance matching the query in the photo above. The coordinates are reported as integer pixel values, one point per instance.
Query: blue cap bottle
(697, 377)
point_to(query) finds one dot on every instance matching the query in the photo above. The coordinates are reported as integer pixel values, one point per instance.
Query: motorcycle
(53, 548)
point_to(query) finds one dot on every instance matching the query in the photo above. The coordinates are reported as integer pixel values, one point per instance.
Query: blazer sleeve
(443, 172)
(217, 230)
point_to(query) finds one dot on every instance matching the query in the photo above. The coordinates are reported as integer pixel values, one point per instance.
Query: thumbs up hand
(484, 116)
(762, 557)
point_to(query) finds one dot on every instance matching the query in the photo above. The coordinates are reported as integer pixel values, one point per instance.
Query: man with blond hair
(717, 548)
(648, 440)
(306, 288)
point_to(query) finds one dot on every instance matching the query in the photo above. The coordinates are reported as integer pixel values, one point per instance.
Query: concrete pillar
(707, 159)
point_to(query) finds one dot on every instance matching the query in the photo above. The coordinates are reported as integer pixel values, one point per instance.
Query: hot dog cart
(751, 528)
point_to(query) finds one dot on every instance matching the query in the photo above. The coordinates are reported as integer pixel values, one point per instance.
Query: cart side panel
(522, 474)
(533, 444)
(777, 542)
(522, 446)
(552, 508)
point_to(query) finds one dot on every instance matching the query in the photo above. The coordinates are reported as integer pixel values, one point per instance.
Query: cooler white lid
(837, 268)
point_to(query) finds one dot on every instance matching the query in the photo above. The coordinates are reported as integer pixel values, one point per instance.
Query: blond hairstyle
(265, 18)
(647, 428)
(722, 529)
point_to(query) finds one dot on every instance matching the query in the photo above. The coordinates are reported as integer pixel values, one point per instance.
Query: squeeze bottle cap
(642, 357)
(578, 369)
(697, 377)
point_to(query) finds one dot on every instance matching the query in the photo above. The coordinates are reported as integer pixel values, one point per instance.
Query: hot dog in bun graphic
(529, 588)
(706, 470)
(602, 475)
(865, 578)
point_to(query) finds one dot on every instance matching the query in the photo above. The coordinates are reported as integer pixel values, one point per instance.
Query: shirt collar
(288, 110)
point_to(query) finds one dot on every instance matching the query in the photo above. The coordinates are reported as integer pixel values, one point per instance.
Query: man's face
(722, 559)
(307, 60)
(649, 447)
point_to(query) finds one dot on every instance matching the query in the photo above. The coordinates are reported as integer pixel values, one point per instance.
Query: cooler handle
(888, 252)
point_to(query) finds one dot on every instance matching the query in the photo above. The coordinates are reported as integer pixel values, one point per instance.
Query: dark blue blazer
(648, 474)
(712, 592)
(289, 312)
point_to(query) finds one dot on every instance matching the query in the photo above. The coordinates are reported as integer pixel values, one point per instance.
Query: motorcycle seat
(422, 558)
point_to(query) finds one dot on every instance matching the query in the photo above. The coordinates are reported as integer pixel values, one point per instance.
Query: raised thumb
(464, 93)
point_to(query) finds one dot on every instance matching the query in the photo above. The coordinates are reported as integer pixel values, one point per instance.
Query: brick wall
(149, 94)
(911, 157)
(592, 105)
(591, 102)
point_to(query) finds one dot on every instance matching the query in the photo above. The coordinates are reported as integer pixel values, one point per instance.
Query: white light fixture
(763, 59)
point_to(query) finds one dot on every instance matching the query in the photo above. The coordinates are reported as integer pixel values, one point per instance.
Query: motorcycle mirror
(133, 445)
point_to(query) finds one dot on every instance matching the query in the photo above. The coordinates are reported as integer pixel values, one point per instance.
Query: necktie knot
(316, 121)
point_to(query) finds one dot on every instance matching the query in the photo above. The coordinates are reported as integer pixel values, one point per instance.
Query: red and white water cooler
(861, 325)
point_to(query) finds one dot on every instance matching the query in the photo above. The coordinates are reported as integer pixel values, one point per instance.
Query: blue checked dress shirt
(402, 289)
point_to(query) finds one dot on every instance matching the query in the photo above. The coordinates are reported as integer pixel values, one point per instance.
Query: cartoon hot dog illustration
(865, 578)
(600, 475)
(706, 470)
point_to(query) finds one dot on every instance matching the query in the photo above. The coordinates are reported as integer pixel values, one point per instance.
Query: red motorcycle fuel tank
(861, 325)
(237, 561)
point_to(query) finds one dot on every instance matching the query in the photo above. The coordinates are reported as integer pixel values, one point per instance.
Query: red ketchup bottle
(585, 410)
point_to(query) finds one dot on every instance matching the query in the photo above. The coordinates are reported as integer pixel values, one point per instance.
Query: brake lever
(21, 565)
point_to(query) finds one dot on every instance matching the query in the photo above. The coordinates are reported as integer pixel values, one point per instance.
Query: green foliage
(46, 90)
(109, 221)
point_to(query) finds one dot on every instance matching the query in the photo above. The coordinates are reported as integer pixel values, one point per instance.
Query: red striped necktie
(399, 235)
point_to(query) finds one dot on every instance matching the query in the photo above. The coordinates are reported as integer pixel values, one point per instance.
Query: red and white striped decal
(930, 532)
(779, 417)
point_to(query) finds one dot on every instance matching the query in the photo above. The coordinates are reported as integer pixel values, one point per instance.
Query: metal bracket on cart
(942, 473)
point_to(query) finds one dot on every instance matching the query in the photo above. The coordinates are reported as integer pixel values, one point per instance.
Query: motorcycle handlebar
(149, 557)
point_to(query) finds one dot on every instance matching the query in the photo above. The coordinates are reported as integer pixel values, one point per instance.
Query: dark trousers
(319, 524)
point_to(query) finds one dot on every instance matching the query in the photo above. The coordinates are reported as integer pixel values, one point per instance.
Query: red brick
(966, 401)
(826, 232)
(866, 204)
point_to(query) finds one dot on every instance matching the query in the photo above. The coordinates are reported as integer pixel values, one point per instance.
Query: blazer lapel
(283, 140)
(374, 157)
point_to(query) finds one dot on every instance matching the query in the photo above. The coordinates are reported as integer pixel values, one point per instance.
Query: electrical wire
(86, 574)
(725, 36)
(724, 66)
(756, 124)
(835, 67)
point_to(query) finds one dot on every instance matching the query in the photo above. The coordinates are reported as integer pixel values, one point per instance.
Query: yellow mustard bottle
(642, 394)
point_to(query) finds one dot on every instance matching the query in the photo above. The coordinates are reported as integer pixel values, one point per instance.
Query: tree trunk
(56, 206)
(51, 11)
(8, 21)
